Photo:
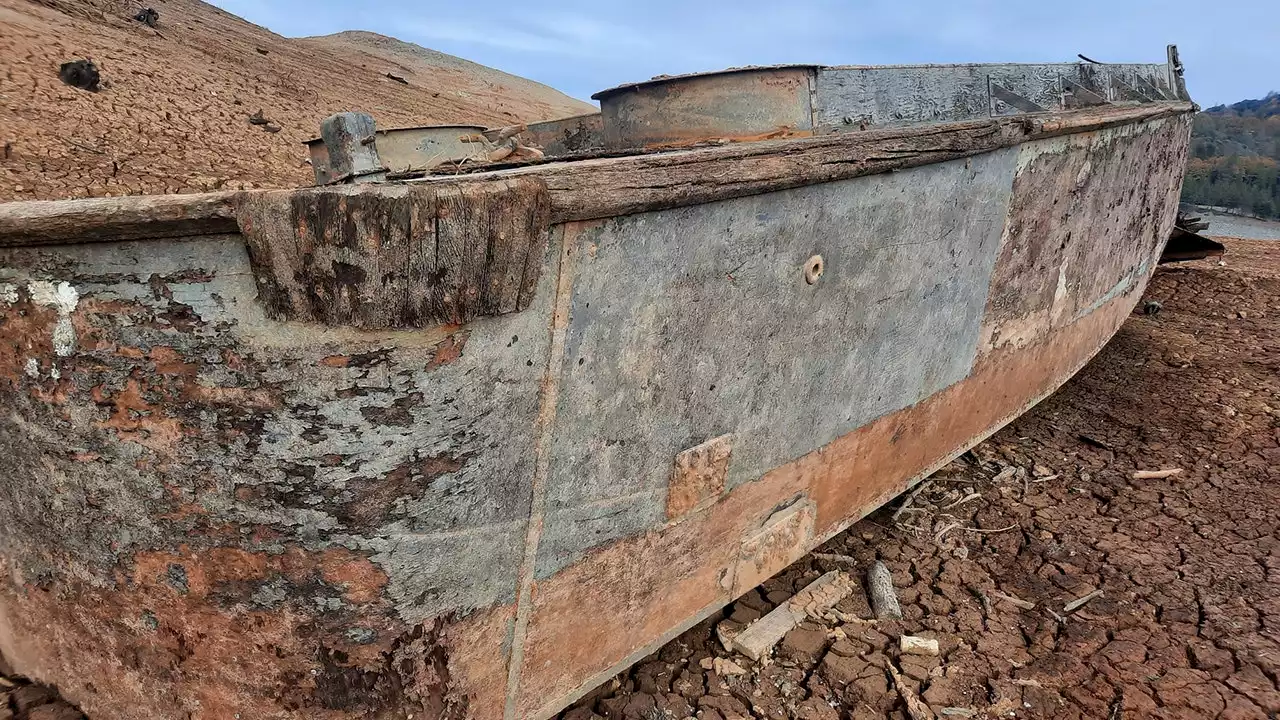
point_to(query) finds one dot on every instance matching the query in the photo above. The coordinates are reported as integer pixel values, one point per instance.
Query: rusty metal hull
(207, 511)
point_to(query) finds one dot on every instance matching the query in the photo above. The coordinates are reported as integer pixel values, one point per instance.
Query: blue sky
(1231, 48)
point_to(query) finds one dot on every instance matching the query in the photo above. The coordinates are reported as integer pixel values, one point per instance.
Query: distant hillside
(1235, 157)
(172, 114)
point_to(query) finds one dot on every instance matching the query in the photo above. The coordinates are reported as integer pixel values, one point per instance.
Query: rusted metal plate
(318, 154)
(422, 148)
(740, 105)
(567, 136)
(410, 149)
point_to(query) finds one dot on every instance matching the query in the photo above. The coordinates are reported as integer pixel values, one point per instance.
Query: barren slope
(172, 115)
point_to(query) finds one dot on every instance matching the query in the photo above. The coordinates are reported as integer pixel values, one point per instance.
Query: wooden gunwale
(605, 187)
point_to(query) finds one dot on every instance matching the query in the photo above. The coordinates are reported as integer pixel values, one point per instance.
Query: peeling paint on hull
(209, 512)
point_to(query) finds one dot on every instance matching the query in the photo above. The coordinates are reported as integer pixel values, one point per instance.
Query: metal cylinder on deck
(736, 105)
(562, 137)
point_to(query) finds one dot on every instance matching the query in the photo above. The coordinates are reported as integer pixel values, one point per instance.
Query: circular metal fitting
(813, 268)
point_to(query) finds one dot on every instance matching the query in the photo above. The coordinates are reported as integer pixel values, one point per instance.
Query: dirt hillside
(172, 112)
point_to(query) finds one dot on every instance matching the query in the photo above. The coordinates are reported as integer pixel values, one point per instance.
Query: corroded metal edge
(663, 79)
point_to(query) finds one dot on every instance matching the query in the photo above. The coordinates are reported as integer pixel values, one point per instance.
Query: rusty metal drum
(741, 104)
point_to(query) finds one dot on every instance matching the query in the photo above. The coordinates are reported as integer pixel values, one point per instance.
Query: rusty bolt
(813, 269)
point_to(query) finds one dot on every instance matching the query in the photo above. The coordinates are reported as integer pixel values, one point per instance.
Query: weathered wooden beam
(591, 189)
(607, 187)
(391, 256)
(43, 222)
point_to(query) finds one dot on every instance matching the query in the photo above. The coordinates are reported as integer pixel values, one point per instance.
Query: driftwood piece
(1014, 600)
(835, 558)
(606, 187)
(397, 256)
(1156, 474)
(819, 595)
(915, 645)
(884, 599)
(916, 708)
(1078, 603)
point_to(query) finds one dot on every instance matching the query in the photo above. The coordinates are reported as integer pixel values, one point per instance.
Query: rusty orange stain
(448, 350)
(361, 580)
(169, 362)
(135, 420)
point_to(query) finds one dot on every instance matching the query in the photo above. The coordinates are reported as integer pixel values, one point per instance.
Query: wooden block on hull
(698, 477)
(397, 257)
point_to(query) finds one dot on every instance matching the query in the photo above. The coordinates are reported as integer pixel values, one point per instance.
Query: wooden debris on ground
(884, 599)
(916, 708)
(911, 498)
(1156, 474)
(1014, 600)
(835, 558)
(723, 667)
(915, 645)
(1006, 474)
(726, 633)
(1075, 605)
(820, 595)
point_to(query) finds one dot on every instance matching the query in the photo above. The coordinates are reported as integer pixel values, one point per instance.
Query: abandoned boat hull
(241, 480)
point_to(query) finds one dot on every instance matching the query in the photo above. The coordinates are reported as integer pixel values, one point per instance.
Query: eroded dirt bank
(1188, 619)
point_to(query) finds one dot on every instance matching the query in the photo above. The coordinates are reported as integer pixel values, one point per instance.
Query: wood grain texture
(592, 189)
(43, 222)
(608, 187)
(396, 256)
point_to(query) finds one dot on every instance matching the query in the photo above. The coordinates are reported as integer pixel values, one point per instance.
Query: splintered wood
(395, 256)
(913, 645)
(884, 599)
(1156, 474)
(819, 596)
(915, 706)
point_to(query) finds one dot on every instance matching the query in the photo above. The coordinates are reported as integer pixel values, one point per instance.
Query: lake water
(1242, 227)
